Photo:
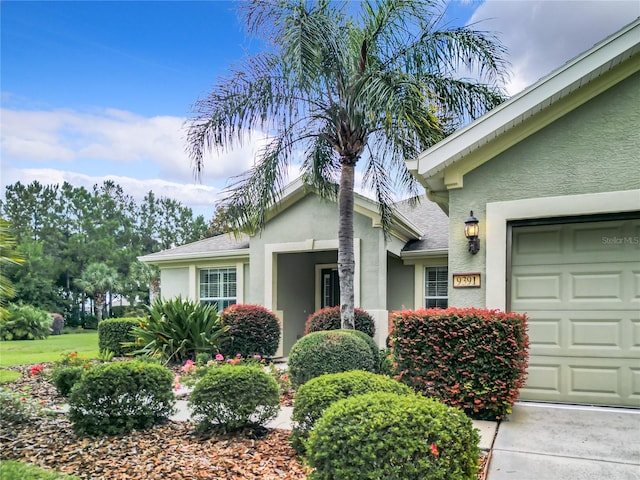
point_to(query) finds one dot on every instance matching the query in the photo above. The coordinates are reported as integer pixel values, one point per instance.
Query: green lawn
(25, 352)
(12, 470)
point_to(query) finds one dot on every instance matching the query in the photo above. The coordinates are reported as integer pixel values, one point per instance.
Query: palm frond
(321, 169)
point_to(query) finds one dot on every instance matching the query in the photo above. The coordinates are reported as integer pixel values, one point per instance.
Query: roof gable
(401, 226)
(443, 166)
(422, 225)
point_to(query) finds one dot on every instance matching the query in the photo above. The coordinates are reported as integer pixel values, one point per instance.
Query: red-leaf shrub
(253, 329)
(472, 359)
(329, 319)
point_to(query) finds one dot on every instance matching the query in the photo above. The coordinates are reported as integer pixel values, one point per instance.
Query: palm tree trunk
(346, 257)
(99, 299)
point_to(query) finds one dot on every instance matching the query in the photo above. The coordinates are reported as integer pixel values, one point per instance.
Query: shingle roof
(431, 220)
(219, 244)
(425, 215)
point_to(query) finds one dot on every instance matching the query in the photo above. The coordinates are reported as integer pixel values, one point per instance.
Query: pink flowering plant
(191, 372)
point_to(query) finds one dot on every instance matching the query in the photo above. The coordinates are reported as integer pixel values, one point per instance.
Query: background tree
(344, 81)
(143, 283)
(61, 229)
(96, 281)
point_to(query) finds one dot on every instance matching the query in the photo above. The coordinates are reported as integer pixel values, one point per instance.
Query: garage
(579, 282)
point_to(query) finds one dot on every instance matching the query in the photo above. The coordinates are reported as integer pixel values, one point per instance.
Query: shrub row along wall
(471, 359)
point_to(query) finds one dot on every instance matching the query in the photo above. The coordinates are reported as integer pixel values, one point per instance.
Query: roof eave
(430, 165)
(154, 259)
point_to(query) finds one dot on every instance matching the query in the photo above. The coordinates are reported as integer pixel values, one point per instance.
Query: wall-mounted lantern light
(471, 231)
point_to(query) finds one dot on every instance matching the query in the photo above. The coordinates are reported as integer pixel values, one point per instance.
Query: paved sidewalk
(563, 442)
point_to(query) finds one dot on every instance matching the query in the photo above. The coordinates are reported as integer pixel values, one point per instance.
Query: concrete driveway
(563, 442)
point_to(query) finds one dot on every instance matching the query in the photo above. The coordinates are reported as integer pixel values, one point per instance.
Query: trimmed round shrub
(233, 397)
(373, 346)
(395, 437)
(113, 332)
(57, 323)
(25, 322)
(253, 329)
(329, 319)
(315, 396)
(331, 351)
(118, 397)
(65, 378)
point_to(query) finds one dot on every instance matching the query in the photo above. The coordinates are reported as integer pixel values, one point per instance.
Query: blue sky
(101, 89)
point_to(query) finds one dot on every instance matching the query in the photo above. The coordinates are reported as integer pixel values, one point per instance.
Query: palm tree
(375, 80)
(96, 280)
(8, 256)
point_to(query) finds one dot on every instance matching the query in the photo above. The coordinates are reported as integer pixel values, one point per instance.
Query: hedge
(471, 359)
(113, 332)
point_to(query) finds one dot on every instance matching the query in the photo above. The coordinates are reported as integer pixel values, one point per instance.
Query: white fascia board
(231, 254)
(439, 252)
(592, 63)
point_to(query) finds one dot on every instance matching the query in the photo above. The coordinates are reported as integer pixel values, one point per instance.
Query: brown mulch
(169, 451)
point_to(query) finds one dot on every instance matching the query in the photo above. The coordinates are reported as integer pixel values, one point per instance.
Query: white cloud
(113, 137)
(200, 198)
(542, 35)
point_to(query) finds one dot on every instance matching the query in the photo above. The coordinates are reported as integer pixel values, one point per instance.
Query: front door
(330, 288)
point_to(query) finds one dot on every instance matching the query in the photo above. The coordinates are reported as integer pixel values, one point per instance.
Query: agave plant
(177, 330)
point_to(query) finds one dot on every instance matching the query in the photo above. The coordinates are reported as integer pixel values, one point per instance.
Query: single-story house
(553, 177)
(290, 267)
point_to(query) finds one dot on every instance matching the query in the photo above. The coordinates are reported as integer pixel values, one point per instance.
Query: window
(435, 287)
(218, 285)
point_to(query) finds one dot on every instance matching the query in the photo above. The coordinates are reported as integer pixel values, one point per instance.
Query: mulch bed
(169, 451)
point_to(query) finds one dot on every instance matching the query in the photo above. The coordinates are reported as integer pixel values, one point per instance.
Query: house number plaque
(466, 280)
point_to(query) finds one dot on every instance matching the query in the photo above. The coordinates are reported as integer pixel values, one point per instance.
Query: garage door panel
(635, 286)
(595, 286)
(582, 297)
(542, 242)
(540, 288)
(635, 384)
(583, 380)
(594, 238)
(543, 378)
(598, 242)
(592, 333)
(613, 286)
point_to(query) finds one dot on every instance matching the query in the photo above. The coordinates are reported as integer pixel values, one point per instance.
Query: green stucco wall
(401, 279)
(315, 218)
(592, 149)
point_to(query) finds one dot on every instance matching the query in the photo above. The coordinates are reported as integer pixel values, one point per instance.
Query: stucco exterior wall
(592, 149)
(313, 219)
(400, 293)
(297, 289)
(246, 282)
(174, 282)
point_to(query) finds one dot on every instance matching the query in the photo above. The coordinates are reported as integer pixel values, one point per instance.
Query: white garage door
(580, 285)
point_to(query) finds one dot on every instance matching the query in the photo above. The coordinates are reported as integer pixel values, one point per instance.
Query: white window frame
(438, 269)
(222, 300)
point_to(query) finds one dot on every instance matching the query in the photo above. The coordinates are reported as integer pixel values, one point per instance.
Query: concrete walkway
(562, 442)
(487, 430)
